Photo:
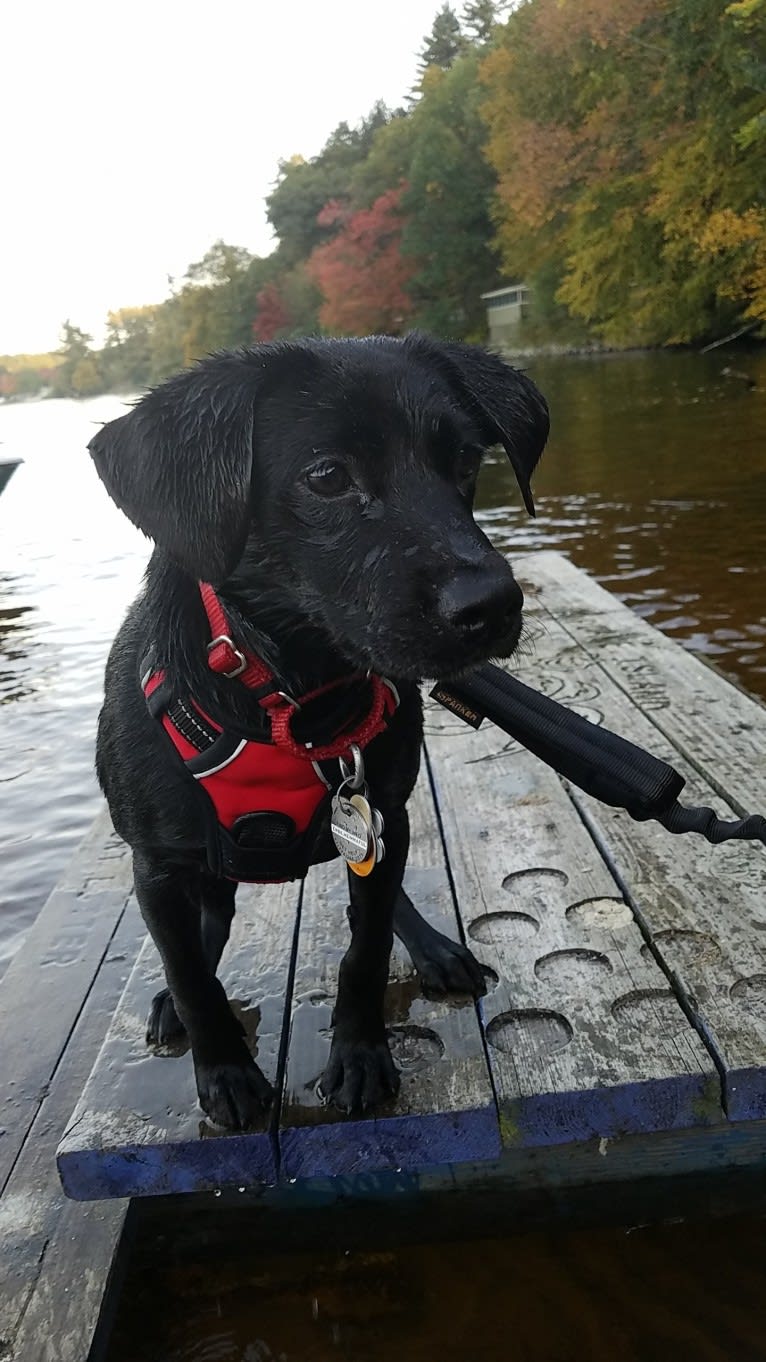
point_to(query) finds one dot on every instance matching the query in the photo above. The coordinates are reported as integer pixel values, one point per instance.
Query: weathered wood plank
(718, 728)
(45, 984)
(56, 1255)
(585, 1035)
(701, 906)
(138, 1130)
(445, 1110)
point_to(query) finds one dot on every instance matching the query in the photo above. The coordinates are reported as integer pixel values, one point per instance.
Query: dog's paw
(446, 966)
(163, 1025)
(359, 1075)
(233, 1095)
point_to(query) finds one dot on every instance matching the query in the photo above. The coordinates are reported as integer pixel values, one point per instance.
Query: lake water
(655, 481)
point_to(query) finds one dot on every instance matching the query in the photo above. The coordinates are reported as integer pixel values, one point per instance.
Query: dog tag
(350, 831)
(364, 868)
(355, 824)
(373, 818)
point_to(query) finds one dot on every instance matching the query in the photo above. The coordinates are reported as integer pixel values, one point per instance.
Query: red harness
(265, 797)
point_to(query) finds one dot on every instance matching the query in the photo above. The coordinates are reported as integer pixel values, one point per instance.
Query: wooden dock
(618, 1061)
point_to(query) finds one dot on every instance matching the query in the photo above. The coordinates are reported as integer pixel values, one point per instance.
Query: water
(654, 480)
(662, 1294)
(69, 564)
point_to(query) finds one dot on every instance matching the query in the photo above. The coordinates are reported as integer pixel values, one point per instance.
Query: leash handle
(602, 763)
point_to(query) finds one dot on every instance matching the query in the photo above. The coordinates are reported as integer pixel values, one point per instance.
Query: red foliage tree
(271, 315)
(361, 272)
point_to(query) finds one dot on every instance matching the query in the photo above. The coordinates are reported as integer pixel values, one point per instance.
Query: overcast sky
(136, 134)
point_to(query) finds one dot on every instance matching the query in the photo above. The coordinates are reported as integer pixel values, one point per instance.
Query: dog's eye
(468, 462)
(328, 478)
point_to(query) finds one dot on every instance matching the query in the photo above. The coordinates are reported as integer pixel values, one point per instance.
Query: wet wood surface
(701, 907)
(56, 1002)
(585, 1036)
(445, 1109)
(138, 1129)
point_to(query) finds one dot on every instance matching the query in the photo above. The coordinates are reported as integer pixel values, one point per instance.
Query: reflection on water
(647, 1295)
(654, 480)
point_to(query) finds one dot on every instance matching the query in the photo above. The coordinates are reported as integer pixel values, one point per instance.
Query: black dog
(325, 489)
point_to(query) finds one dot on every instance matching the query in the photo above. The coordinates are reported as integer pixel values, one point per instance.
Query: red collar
(238, 664)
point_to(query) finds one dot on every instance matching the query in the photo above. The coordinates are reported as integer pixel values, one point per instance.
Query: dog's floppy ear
(180, 463)
(509, 408)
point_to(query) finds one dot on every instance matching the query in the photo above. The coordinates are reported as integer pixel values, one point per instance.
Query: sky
(135, 135)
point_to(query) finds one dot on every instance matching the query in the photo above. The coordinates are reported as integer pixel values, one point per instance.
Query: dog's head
(339, 475)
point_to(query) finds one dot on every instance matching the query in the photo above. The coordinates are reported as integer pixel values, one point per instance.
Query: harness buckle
(229, 662)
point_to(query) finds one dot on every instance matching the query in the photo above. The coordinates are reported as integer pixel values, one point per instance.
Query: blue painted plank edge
(745, 1091)
(402, 1143)
(202, 1165)
(605, 1113)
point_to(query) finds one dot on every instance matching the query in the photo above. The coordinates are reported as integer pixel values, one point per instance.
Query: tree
(272, 318)
(127, 354)
(78, 374)
(219, 299)
(479, 18)
(448, 203)
(86, 377)
(444, 44)
(304, 187)
(625, 138)
(361, 272)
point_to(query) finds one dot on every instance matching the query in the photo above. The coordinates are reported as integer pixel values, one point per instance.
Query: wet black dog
(325, 488)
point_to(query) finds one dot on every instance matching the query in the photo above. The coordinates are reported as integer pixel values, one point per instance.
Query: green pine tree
(444, 44)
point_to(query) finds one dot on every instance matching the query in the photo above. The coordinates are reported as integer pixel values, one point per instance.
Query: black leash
(603, 764)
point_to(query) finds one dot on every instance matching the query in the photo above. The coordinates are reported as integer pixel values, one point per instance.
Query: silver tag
(350, 831)
(373, 818)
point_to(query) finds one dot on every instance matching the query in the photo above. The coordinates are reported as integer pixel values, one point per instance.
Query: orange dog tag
(364, 867)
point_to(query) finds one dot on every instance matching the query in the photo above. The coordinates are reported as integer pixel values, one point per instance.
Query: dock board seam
(458, 915)
(705, 772)
(676, 984)
(284, 1038)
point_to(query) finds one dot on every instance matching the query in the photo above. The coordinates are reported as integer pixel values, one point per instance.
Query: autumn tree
(361, 272)
(272, 318)
(304, 187)
(625, 180)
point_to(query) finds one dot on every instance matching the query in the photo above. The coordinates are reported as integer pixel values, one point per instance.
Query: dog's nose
(479, 603)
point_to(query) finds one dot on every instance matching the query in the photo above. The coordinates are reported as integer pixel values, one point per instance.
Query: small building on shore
(507, 308)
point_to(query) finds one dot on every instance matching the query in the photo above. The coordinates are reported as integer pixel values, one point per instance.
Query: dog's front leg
(231, 1088)
(360, 1072)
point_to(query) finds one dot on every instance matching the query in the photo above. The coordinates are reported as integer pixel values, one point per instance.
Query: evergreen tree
(444, 44)
(479, 18)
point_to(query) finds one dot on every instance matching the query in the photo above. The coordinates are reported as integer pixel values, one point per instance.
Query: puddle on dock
(657, 1294)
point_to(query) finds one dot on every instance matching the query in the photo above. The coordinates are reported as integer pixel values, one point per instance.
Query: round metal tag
(350, 831)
